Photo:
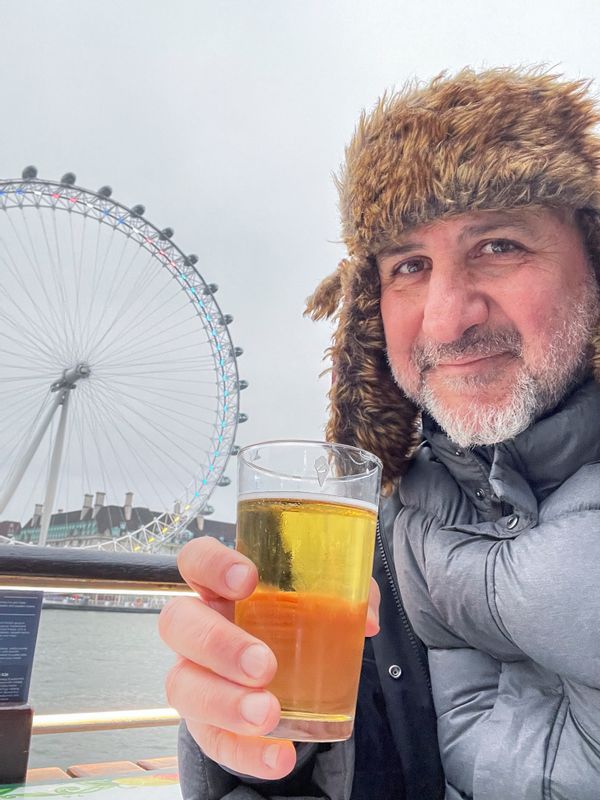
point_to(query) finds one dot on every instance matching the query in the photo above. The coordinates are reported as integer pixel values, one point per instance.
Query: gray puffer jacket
(498, 558)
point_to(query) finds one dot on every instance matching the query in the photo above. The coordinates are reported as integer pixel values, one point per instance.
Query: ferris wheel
(118, 375)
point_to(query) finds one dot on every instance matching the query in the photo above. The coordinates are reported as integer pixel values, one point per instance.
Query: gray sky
(226, 119)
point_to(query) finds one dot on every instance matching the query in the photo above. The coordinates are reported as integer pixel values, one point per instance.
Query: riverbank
(138, 604)
(58, 606)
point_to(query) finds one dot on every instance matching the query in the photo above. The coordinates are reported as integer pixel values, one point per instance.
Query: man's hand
(218, 683)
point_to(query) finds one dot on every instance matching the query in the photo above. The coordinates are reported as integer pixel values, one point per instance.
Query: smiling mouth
(458, 362)
(474, 361)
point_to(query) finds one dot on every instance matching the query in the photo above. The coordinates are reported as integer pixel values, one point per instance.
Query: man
(464, 353)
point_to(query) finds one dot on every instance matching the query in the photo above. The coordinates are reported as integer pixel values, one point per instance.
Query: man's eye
(499, 246)
(410, 267)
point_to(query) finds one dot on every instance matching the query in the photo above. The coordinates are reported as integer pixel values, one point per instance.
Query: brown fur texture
(497, 139)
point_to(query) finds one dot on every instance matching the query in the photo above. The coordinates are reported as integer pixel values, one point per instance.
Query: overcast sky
(226, 118)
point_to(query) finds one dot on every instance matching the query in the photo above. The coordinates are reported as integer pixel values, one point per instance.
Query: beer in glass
(307, 513)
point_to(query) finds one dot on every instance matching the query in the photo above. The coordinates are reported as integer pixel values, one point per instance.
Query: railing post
(15, 741)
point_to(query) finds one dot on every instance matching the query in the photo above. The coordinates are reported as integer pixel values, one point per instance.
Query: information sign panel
(19, 622)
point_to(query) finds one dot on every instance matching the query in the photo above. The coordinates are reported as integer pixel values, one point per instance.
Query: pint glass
(307, 513)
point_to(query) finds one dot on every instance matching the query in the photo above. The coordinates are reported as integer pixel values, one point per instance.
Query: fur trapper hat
(497, 139)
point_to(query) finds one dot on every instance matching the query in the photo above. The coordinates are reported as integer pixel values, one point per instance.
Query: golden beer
(314, 556)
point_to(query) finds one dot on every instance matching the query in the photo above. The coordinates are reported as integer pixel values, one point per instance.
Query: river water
(95, 660)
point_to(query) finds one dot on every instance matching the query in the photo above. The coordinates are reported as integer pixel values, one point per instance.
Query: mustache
(474, 343)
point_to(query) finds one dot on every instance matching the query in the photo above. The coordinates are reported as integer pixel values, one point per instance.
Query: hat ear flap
(588, 221)
(324, 301)
(596, 356)
(367, 409)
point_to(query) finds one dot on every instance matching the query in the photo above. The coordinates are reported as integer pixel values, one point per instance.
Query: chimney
(87, 505)
(37, 515)
(128, 506)
(98, 503)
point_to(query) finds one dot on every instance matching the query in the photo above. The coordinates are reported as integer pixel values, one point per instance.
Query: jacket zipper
(404, 619)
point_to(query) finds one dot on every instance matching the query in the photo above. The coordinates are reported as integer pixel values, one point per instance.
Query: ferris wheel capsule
(29, 173)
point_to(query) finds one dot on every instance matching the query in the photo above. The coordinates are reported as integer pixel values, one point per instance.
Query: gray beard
(562, 366)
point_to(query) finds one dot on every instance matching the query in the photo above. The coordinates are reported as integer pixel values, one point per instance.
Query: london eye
(119, 374)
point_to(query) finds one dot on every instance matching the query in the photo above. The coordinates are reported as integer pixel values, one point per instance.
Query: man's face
(487, 318)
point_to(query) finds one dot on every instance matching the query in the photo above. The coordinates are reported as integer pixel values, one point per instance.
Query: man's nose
(453, 304)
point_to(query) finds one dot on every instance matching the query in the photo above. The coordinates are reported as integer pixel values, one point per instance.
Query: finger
(270, 759)
(202, 635)
(372, 624)
(200, 695)
(214, 570)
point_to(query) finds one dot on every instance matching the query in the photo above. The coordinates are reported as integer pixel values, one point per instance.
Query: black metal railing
(67, 569)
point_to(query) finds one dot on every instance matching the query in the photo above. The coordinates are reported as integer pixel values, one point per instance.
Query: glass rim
(377, 465)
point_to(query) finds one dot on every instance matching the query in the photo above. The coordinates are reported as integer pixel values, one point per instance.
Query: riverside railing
(83, 571)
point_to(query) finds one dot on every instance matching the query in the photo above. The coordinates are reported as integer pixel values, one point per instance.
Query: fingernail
(255, 707)
(236, 576)
(270, 755)
(254, 660)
